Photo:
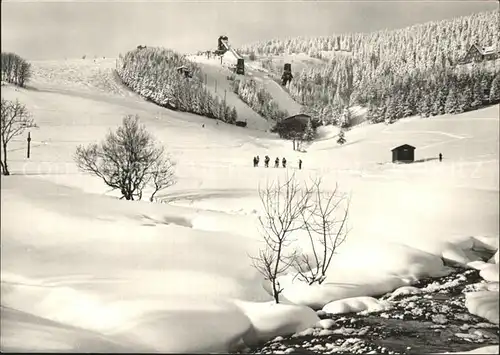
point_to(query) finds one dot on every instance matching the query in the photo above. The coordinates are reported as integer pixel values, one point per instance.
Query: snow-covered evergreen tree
(346, 118)
(494, 97)
(424, 109)
(465, 99)
(451, 104)
(309, 132)
(477, 95)
(233, 115)
(341, 137)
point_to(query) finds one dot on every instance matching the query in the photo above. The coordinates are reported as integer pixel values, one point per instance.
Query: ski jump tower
(223, 47)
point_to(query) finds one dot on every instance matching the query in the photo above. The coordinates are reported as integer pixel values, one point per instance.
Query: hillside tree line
(153, 73)
(15, 69)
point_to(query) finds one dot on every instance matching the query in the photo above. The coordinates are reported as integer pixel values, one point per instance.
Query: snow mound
(404, 291)
(190, 328)
(467, 250)
(270, 319)
(325, 323)
(49, 336)
(365, 269)
(355, 305)
(494, 258)
(487, 270)
(483, 304)
(490, 273)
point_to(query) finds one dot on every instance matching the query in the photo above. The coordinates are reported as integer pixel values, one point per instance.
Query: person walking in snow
(266, 161)
(440, 157)
(254, 162)
(277, 162)
(300, 164)
(283, 162)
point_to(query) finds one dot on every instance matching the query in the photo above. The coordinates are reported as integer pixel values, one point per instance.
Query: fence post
(29, 144)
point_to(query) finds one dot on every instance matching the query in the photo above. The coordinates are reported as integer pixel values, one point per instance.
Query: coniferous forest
(416, 70)
(153, 73)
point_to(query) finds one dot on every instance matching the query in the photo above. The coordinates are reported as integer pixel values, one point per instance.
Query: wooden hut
(404, 153)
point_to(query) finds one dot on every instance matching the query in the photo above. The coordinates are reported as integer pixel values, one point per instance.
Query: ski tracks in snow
(454, 137)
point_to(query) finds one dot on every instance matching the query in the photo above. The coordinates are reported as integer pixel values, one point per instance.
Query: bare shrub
(325, 222)
(283, 205)
(128, 160)
(15, 119)
(290, 208)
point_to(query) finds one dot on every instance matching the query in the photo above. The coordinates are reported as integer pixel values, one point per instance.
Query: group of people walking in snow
(276, 162)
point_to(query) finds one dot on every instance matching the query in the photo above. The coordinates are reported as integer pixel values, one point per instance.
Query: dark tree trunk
(5, 167)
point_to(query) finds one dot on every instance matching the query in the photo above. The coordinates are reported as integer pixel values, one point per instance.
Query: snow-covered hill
(84, 271)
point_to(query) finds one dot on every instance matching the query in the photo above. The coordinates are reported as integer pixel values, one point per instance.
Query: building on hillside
(477, 53)
(403, 154)
(297, 122)
(287, 74)
(293, 128)
(233, 61)
(185, 70)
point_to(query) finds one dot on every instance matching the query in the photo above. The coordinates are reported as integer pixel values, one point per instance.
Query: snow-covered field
(84, 271)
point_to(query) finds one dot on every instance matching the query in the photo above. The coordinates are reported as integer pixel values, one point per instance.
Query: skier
(266, 161)
(440, 157)
(300, 164)
(277, 162)
(254, 162)
(283, 162)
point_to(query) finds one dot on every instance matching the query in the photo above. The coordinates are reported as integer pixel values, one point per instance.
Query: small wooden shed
(404, 153)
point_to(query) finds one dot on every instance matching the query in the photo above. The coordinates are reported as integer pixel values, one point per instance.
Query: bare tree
(23, 73)
(283, 205)
(325, 222)
(14, 121)
(128, 160)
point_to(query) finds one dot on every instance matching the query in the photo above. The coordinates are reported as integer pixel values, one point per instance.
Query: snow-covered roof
(489, 50)
(485, 50)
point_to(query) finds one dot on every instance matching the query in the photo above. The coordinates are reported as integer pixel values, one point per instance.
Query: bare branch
(322, 226)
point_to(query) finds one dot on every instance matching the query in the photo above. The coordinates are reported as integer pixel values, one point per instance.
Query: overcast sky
(53, 30)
